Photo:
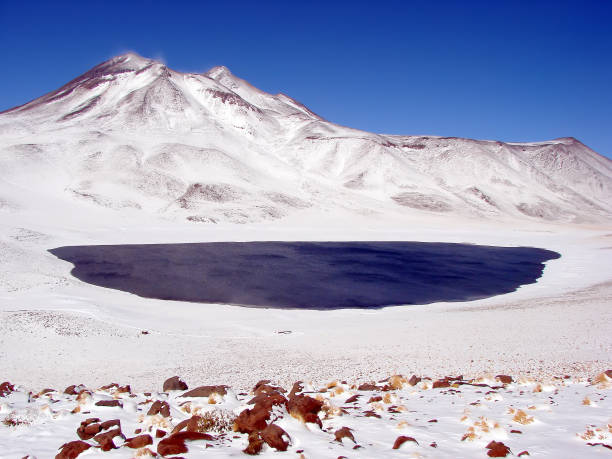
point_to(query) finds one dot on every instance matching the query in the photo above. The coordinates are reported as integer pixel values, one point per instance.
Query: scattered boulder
(297, 388)
(105, 440)
(276, 437)
(523, 453)
(89, 428)
(110, 403)
(504, 379)
(255, 444)
(252, 420)
(111, 423)
(174, 383)
(352, 398)
(72, 449)
(139, 442)
(305, 408)
(206, 391)
(368, 386)
(344, 432)
(6, 388)
(497, 449)
(159, 407)
(399, 441)
(440, 383)
(175, 444)
(414, 380)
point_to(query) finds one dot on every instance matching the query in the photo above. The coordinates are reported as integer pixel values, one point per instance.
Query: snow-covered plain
(137, 153)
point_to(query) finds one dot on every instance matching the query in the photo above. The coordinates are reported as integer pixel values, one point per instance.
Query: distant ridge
(133, 134)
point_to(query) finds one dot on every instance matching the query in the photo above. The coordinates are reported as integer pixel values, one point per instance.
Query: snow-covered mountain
(133, 134)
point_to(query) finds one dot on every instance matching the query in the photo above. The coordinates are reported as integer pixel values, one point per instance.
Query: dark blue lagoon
(308, 275)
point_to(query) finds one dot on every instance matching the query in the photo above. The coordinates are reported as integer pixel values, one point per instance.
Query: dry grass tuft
(218, 421)
(522, 418)
(396, 382)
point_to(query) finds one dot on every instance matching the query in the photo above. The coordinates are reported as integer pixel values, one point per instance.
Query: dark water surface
(308, 275)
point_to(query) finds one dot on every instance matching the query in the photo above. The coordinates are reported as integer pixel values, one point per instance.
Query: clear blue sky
(513, 71)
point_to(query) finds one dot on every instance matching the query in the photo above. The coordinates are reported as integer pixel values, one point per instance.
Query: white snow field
(133, 152)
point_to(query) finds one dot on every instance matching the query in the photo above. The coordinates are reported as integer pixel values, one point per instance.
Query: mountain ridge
(210, 147)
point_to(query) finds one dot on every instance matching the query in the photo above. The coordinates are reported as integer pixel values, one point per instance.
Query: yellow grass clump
(396, 382)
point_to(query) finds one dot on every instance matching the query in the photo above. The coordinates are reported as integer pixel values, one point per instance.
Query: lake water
(308, 275)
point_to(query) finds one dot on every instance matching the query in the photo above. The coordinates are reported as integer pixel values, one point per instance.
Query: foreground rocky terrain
(490, 416)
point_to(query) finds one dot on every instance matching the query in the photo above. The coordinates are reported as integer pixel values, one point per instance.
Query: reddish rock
(497, 449)
(275, 436)
(440, 383)
(344, 432)
(159, 407)
(6, 388)
(109, 386)
(305, 408)
(267, 389)
(175, 444)
(399, 441)
(72, 449)
(368, 386)
(105, 440)
(371, 414)
(124, 389)
(268, 400)
(504, 379)
(89, 428)
(352, 398)
(206, 391)
(180, 426)
(414, 380)
(297, 388)
(174, 383)
(139, 442)
(74, 389)
(523, 453)
(111, 423)
(516, 431)
(110, 403)
(160, 433)
(376, 398)
(255, 444)
(252, 420)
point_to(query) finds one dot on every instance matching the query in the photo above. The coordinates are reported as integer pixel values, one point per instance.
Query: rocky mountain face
(133, 134)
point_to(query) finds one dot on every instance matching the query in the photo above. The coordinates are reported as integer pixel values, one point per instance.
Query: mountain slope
(132, 134)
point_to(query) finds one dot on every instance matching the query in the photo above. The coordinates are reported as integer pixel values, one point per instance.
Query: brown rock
(352, 398)
(504, 379)
(6, 388)
(268, 400)
(368, 386)
(399, 441)
(255, 444)
(206, 391)
(414, 380)
(376, 398)
(159, 407)
(252, 420)
(72, 449)
(110, 403)
(297, 388)
(89, 428)
(160, 433)
(263, 388)
(139, 442)
(111, 423)
(440, 383)
(305, 408)
(523, 453)
(275, 436)
(109, 386)
(105, 440)
(497, 449)
(344, 432)
(175, 444)
(174, 383)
